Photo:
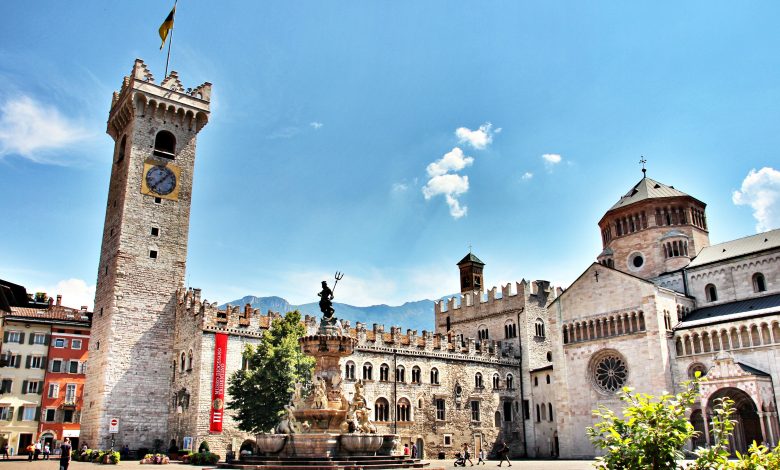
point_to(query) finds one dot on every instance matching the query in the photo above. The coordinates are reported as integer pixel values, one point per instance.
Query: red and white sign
(113, 425)
(218, 385)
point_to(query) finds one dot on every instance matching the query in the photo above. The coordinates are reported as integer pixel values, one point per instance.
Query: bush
(203, 458)
(204, 447)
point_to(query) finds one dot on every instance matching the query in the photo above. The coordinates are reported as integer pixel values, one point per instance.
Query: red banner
(218, 385)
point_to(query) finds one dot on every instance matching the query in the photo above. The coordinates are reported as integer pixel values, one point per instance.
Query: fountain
(325, 429)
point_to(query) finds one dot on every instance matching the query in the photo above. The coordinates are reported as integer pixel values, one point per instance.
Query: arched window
(416, 375)
(510, 330)
(510, 382)
(711, 292)
(496, 381)
(478, 381)
(549, 411)
(759, 283)
(381, 410)
(435, 376)
(536, 381)
(548, 378)
(400, 374)
(349, 370)
(165, 145)
(121, 150)
(403, 410)
(384, 373)
(368, 371)
(189, 360)
(497, 422)
(183, 361)
(539, 326)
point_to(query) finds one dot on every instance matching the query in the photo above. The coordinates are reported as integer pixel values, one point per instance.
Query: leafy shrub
(203, 458)
(204, 447)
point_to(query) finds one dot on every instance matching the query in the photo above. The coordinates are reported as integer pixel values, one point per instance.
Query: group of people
(465, 455)
(35, 451)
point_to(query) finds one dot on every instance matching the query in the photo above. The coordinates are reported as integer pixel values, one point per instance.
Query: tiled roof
(470, 258)
(53, 313)
(738, 247)
(647, 188)
(768, 304)
(752, 370)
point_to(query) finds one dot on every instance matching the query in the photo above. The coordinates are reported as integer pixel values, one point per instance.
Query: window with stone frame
(510, 382)
(496, 381)
(75, 344)
(6, 413)
(54, 390)
(608, 371)
(549, 411)
(478, 381)
(165, 145)
(34, 386)
(759, 282)
(39, 338)
(28, 413)
(5, 385)
(441, 409)
(349, 370)
(381, 410)
(711, 293)
(507, 411)
(49, 415)
(400, 374)
(416, 375)
(67, 416)
(73, 367)
(182, 361)
(60, 343)
(539, 328)
(403, 410)
(434, 376)
(189, 361)
(36, 362)
(384, 373)
(475, 410)
(368, 371)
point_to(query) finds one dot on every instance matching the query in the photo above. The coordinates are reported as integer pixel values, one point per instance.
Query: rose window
(610, 373)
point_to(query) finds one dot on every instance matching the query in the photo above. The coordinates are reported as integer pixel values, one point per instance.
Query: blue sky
(382, 138)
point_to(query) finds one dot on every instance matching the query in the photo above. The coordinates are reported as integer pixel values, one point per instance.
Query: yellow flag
(167, 25)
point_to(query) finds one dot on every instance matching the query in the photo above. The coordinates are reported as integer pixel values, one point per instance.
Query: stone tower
(142, 258)
(653, 229)
(471, 273)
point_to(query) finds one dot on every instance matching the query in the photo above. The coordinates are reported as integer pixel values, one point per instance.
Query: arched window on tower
(510, 382)
(478, 381)
(759, 282)
(384, 373)
(183, 361)
(416, 375)
(496, 381)
(165, 145)
(368, 371)
(189, 361)
(435, 376)
(403, 410)
(349, 370)
(400, 374)
(711, 293)
(539, 327)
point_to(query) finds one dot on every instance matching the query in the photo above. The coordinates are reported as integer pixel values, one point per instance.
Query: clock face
(161, 180)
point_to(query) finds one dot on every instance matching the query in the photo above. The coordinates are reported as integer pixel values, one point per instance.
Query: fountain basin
(312, 445)
(270, 443)
(361, 444)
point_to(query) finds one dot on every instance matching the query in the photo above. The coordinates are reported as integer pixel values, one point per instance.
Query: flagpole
(170, 39)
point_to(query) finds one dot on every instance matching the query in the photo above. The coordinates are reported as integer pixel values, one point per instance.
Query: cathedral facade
(526, 364)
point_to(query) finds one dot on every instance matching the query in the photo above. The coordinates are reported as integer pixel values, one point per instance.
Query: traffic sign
(113, 425)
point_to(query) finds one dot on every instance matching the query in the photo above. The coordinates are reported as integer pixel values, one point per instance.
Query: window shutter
(44, 362)
(21, 337)
(38, 413)
(46, 339)
(32, 339)
(10, 413)
(18, 360)
(24, 386)
(40, 387)
(21, 413)
(27, 362)
(5, 337)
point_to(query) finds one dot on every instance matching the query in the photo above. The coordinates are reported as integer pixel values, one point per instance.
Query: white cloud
(479, 138)
(400, 187)
(75, 292)
(450, 186)
(454, 160)
(33, 130)
(527, 176)
(551, 159)
(761, 191)
(316, 125)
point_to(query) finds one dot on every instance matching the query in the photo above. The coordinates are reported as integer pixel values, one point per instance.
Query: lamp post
(395, 392)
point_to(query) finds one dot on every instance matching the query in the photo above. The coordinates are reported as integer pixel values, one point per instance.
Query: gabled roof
(738, 247)
(758, 306)
(647, 188)
(54, 313)
(470, 258)
(752, 370)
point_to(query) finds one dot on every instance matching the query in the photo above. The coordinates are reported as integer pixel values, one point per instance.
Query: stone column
(762, 420)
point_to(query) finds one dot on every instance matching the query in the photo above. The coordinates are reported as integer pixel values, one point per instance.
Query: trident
(339, 276)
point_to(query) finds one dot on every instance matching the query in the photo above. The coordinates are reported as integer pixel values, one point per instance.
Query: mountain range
(416, 315)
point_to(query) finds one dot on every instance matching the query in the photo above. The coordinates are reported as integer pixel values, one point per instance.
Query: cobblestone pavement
(448, 464)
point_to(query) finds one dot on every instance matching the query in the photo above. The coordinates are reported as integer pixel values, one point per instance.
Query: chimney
(59, 300)
(51, 301)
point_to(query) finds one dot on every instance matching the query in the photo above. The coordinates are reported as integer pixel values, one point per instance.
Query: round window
(635, 261)
(638, 261)
(610, 372)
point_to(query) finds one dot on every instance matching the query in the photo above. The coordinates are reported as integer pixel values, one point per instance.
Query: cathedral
(526, 363)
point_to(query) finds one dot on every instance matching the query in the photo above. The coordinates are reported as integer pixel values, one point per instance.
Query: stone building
(527, 363)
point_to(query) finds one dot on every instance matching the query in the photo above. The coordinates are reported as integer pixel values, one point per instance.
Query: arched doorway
(748, 426)
(420, 448)
(697, 420)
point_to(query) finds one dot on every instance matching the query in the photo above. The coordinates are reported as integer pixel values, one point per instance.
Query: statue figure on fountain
(357, 419)
(329, 324)
(288, 424)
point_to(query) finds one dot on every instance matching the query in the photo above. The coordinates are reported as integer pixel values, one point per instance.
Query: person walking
(481, 457)
(466, 455)
(414, 451)
(37, 449)
(30, 452)
(46, 451)
(4, 451)
(503, 452)
(65, 450)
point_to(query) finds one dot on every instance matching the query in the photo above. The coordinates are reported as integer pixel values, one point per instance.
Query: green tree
(651, 433)
(260, 391)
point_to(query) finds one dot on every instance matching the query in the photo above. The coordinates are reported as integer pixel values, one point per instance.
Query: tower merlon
(168, 100)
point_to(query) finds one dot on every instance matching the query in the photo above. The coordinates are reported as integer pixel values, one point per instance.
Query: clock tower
(142, 258)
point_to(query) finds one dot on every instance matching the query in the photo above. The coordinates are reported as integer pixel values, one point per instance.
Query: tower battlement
(474, 303)
(168, 101)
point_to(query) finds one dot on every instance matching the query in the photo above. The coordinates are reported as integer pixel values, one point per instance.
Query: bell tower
(142, 258)
(471, 273)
